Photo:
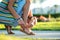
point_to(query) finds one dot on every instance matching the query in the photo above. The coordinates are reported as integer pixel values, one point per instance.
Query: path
(39, 34)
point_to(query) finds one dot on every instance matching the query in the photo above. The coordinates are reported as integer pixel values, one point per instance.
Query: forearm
(13, 12)
(11, 9)
(25, 10)
(15, 15)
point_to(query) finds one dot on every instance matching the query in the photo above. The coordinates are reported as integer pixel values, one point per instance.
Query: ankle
(8, 31)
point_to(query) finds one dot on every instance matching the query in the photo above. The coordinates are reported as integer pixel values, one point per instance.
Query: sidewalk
(39, 34)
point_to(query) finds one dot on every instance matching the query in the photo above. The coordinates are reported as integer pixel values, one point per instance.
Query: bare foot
(28, 32)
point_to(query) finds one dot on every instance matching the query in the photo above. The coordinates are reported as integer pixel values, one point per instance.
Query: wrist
(19, 19)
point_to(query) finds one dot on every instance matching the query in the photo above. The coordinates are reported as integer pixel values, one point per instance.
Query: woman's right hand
(21, 22)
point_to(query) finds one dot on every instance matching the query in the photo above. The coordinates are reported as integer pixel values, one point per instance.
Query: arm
(11, 9)
(13, 12)
(25, 10)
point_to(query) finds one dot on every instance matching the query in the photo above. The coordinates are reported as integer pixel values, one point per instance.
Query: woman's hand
(31, 22)
(21, 22)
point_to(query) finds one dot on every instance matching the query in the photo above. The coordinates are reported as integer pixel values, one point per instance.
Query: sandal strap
(28, 33)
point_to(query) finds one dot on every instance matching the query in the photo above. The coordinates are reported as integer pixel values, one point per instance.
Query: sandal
(11, 33)
(28, 33)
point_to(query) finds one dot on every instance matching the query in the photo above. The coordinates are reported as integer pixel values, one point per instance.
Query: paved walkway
(39, 34)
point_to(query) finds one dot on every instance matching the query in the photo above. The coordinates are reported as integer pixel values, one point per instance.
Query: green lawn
(47, 26)
(10, 37)
(41, 26)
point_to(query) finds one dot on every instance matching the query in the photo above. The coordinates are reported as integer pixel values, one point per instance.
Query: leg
(26, 30)
(9, 28)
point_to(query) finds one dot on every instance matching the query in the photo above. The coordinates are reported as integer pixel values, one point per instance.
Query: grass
(9, 37)
(47, 26)
(5, 37)
(41, 26)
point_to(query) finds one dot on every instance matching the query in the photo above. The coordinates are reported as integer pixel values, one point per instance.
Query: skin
(11, 9)
(22, 23)
(13, 12)
(25, 10)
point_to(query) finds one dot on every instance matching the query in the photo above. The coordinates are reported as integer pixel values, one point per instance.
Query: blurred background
(49, 8)
(47, 13)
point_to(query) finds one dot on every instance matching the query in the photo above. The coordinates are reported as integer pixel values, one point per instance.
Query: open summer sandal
(28, 33)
